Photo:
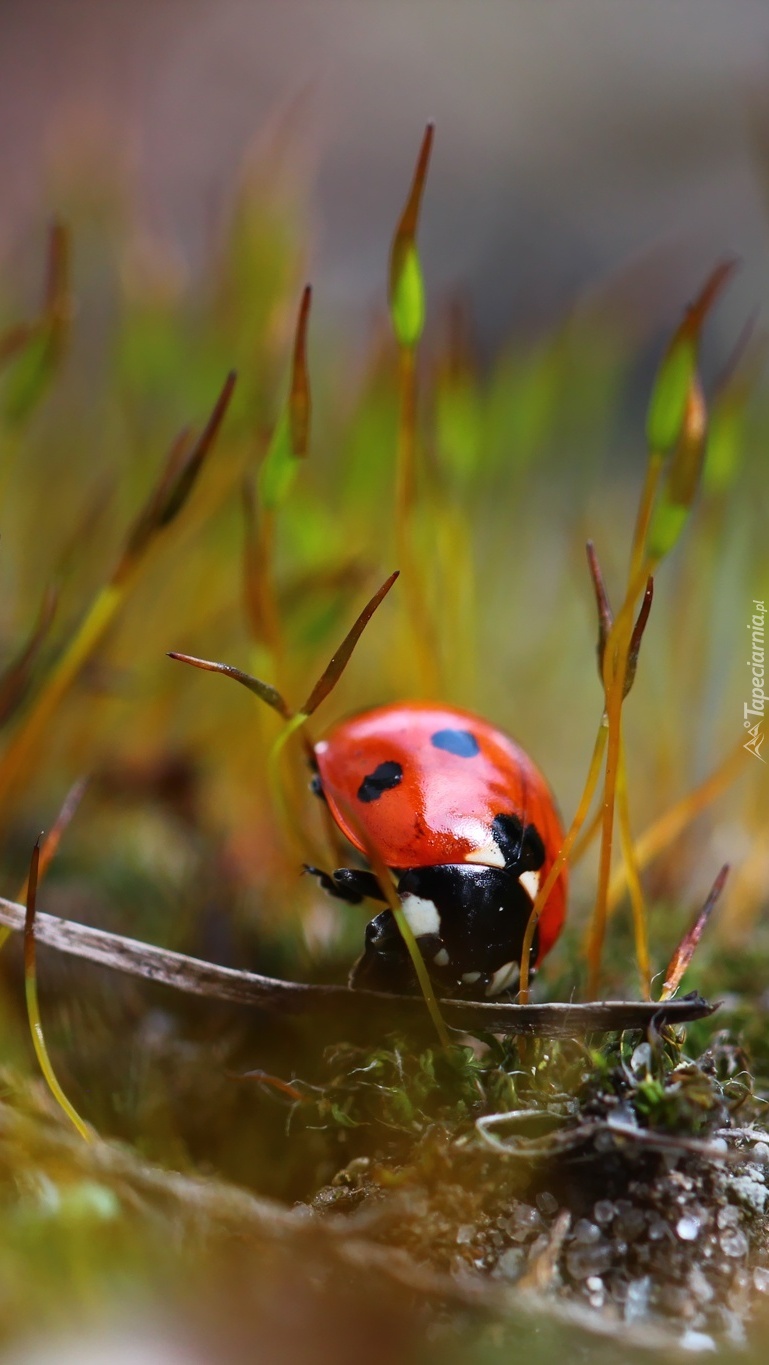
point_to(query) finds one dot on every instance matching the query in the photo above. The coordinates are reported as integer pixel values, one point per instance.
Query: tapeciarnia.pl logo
(755, 707)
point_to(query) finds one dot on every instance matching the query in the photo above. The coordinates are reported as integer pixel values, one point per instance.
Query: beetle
(468, 825)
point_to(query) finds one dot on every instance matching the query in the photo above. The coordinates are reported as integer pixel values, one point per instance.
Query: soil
(642, 1199)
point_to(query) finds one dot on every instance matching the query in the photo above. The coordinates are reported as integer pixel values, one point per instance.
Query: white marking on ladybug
(486, 852)
(441, 958)
(321, 746)
(470, 978)
(530, 882)
(422, 915)
(503, 977)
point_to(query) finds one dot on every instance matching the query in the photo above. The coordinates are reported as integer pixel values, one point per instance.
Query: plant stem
(17, 757)
(33, 1007)
(276, 783)
(587, 837)
(418, 961)
(405, 469)
(654, 466)
(411, 564)
(543, 894)
(384, 878)
(664, 831)
(634, 882)
(264, 588)
(615, 662)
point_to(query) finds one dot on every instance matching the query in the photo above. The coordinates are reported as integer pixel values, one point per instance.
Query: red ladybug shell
(425, 783)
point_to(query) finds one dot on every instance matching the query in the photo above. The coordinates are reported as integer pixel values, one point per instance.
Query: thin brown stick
(345, 1006)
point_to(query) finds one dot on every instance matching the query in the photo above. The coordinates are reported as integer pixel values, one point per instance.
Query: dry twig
(350, 1007)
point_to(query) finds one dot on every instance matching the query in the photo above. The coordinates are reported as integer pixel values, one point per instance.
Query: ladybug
(467, 824)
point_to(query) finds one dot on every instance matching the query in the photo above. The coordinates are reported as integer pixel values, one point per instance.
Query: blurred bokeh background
(593, 160)
(574, 135)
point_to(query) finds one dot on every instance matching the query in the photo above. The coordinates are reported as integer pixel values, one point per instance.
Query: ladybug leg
(351, 884)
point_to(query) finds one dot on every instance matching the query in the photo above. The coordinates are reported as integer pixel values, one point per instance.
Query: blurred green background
(189, 228)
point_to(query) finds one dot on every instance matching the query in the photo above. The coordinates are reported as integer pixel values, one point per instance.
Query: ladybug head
(469, 921)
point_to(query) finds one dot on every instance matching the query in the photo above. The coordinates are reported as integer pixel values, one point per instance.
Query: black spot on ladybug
(520, 847)
(383, 778)
(532, 850)
(459, 742)
(508, 836)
